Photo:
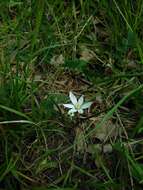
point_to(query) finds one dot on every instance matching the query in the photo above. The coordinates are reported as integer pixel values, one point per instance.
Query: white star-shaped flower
(77, 105)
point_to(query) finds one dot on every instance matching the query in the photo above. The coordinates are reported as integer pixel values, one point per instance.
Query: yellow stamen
(77, 106)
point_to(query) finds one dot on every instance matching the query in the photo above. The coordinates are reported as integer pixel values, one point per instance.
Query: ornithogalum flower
(77, 105)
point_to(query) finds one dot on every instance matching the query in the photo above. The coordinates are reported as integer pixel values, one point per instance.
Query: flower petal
(73, 98)
(80, 101)
(68, 105)
(86, 105)
(71, 111)
(80, 111)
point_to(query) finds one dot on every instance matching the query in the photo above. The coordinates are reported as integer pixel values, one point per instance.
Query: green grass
(48, 48)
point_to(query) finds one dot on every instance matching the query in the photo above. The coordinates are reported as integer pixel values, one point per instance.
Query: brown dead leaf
(86, 54)
(98, 148)
(106, 131)
(57, 60)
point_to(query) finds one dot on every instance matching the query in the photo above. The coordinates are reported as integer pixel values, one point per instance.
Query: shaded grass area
(48, 48)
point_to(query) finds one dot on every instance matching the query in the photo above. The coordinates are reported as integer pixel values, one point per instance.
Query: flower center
(77, 106)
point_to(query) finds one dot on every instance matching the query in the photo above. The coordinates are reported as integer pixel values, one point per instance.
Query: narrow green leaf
(14, 111)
